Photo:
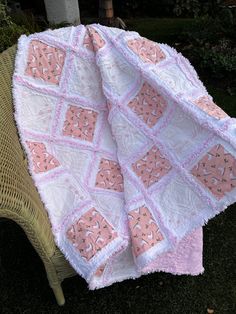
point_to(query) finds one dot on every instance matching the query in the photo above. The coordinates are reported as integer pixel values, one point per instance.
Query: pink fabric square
(100, 270)
(144, 230)
(93, 40)
(87, 43)
(147, 50)
(91, 233)
(151, 167)
(148, 105)
(42, 160)
(207, 105)
(217, 171)
(109, 176)
(80, 123)
(45, 62)
(185, 258)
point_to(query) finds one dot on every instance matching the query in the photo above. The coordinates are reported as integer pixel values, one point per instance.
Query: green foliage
(196, 8)
(210, 44)
(220, 58)
(10, 34)
(187, 7)
(9, 31)
(29, 21)
(12, 27)
(4, 18)
(163, 30)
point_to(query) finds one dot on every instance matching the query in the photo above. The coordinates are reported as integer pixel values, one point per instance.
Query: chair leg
(59, 295)
(52, 275)
(55, 283)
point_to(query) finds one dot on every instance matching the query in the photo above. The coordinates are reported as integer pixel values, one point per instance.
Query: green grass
(161, 30)
(24, 288)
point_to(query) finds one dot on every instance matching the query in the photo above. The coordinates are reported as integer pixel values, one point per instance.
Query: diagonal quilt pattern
(129, 152)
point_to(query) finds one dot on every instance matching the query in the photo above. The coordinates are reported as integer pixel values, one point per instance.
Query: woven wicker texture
(19, 199)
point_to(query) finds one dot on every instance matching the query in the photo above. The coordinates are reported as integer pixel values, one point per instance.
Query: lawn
(23, 284)
(159, 29)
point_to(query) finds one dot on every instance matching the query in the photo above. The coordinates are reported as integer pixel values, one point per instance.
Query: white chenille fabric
(130, 154)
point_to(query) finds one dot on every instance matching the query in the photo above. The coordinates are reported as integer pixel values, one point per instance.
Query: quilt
(130, 154)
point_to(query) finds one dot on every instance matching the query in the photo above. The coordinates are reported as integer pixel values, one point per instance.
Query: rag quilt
(130, 154)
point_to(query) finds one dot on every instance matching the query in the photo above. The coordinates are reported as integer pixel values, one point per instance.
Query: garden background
(205, 33)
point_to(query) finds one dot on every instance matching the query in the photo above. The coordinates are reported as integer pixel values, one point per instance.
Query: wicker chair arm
(18, 195)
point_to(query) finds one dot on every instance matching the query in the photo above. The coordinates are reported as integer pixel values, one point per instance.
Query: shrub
(220, 58)
(210, 45)
(11, 27)
(9, 31)
(187, 7)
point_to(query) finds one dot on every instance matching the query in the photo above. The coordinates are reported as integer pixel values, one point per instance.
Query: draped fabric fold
(130, 154)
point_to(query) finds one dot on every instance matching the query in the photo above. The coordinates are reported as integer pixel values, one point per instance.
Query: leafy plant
(11, 27)
(210, 44)
(4, 18)
(196, 8)
(220, 59)
(9, 31)
(187, 7)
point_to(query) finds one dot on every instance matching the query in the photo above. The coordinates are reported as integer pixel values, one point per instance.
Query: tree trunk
(106, 13)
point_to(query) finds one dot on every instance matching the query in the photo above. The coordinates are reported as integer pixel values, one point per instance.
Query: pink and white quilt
(129, 152)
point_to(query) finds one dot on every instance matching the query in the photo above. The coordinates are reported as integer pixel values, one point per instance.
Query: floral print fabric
(45, 62)
(148, 105)
(90, 233)
(109, 176)
(80, 123)
(147, 50)
(207, 105)
(93, 41)
(217, 171)
(151, 167)
(42, 160)
(144, 230)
